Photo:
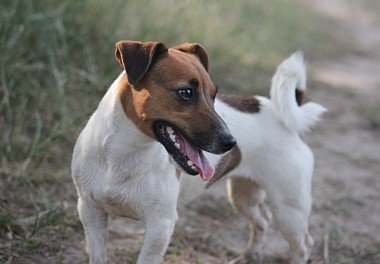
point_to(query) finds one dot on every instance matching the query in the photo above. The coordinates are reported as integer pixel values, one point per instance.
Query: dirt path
(346, 187)
(357, 24)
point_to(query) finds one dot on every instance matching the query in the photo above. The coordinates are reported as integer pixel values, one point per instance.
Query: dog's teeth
(193, 167)
(190, 163)
(172, 137)
(177, 145)
(169, 130)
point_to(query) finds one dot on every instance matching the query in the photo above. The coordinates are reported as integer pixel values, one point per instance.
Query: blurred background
(57, 61)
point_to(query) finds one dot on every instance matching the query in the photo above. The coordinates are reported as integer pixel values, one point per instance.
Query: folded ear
(136, 57)
(197, 50)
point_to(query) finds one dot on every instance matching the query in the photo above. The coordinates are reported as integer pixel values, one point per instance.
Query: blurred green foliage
(57, 60)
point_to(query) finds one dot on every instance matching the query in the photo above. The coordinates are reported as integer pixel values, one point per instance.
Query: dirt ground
(345, 220)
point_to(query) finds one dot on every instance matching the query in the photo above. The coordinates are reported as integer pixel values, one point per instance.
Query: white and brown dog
(162, 111)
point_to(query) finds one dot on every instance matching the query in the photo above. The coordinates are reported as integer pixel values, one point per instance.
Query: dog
(160, 121)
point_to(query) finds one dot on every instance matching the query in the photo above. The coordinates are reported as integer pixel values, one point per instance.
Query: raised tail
(288, 86)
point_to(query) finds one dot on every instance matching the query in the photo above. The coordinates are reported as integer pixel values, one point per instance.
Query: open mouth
(190, 158)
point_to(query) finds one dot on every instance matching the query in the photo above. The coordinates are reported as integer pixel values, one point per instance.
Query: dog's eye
(186, 93)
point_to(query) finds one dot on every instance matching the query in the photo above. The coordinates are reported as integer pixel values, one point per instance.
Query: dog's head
(170, 97)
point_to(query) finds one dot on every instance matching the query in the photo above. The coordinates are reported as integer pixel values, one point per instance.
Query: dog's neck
(122, 141)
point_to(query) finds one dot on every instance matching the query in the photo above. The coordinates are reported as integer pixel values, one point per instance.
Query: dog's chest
(120, 198)
(116, 206)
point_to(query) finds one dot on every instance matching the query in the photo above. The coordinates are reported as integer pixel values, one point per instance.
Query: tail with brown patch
(288, 86)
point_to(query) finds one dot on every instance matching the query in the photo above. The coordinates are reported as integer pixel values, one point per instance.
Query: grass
(57, 60)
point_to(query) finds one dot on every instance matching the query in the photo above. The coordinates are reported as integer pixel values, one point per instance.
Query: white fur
(291, 75)
(118, 170)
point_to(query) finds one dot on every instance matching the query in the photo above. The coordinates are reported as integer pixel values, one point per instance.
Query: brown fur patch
(244, 192)
(226, 164)
(299, 97)
(247, 104)
(133, 101)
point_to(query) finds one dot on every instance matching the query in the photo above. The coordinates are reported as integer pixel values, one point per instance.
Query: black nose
(228, 142)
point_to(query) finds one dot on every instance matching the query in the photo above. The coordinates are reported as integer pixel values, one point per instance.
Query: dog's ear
(197, 50)
(136, 57)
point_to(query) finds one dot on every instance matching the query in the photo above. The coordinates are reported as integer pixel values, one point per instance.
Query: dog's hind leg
(291, 207)
(247, 197)
(293, 224)
(94, 222)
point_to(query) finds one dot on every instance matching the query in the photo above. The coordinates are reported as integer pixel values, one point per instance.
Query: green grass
(5, 220)
(57, 60)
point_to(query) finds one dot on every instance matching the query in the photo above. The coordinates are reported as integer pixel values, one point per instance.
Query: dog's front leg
(157, 237)
(94, 222)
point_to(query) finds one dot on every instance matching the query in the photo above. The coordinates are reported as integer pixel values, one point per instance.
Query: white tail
(289, 77)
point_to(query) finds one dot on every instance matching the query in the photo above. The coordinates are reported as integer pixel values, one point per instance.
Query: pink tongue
(205, 169)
